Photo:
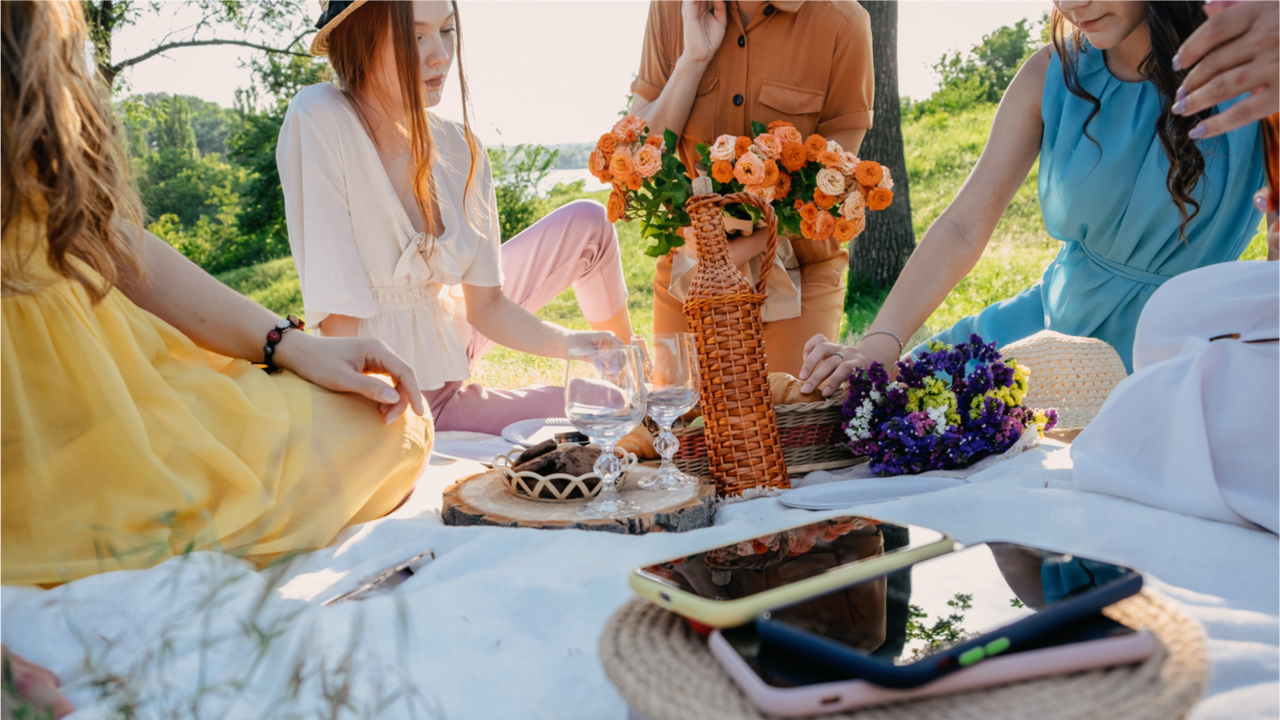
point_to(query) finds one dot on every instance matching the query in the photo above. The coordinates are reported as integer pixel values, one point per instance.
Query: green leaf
(671, 140)
(704, 151)
(758, 128)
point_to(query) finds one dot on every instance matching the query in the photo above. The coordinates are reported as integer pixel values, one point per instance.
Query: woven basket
(1073, 374)
(811, 435)
(743, 448)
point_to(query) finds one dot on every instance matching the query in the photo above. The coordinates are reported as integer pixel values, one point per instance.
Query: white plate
(482, 451)
(535, 430)
(830, 496)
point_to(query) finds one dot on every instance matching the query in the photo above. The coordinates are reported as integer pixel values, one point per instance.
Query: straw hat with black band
(332, 12)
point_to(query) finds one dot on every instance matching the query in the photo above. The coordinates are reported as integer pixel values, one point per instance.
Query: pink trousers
(574, 245)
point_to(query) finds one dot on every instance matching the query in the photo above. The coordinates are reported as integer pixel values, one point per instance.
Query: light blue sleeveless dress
(1110, 207)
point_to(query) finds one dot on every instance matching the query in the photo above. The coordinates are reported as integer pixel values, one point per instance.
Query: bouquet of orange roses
(649, 181)
(817, 189)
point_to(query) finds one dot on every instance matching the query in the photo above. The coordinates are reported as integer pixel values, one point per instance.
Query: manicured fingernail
(804, 374)
(1177, 63)
(1260, 202)
(1179, 107)
(394, 416)
(808, 388)
(1198, 131)
(1182, 92)
(389, 395)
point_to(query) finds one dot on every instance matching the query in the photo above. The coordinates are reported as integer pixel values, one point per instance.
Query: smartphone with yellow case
(730, 585)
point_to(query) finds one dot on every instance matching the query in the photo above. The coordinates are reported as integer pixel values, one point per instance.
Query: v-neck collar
(390, 188)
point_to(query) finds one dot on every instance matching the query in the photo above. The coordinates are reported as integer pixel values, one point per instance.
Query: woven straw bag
(1070, 373)
(723, 312)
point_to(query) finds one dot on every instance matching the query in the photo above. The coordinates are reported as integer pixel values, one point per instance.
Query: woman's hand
(744, 244)
(828, 365)
(35, 684)
(1237, 50)
(574, 339)
(705, 22)
(348, 365)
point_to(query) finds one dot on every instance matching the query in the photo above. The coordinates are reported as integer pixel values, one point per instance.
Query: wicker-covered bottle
(723, 311)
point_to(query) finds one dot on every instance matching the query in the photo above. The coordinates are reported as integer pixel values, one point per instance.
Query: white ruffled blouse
(356, 250)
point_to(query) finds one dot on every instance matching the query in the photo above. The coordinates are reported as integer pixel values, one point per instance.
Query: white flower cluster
(939, 417)
(860, 425)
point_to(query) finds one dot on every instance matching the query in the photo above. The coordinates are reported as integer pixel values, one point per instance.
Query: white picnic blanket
(504, 623)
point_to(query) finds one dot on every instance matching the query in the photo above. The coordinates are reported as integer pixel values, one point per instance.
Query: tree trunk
(880, 252)
(101, 19)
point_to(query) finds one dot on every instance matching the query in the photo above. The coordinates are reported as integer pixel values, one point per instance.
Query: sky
(552, 71)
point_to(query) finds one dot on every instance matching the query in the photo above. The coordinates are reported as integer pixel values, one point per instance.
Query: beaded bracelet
(273, 339)
(901, 347)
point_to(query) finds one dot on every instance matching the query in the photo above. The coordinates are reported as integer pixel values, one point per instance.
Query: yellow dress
(124, 444)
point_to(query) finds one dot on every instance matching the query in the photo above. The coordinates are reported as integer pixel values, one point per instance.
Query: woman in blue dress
(1131, 187)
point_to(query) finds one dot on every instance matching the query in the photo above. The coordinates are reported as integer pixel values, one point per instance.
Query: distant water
(568, 176)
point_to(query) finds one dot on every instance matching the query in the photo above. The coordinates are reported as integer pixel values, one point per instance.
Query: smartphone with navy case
(916, 624)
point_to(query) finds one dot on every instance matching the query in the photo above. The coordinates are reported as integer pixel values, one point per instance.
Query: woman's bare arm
(704, 27)
(500, 319)
(955, 241)
(217, 318)
(335, 325)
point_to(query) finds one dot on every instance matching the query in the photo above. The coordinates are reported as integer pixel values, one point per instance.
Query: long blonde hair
(353, 52)
(61, 158)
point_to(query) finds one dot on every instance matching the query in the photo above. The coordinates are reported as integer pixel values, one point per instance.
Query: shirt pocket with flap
(798, 105)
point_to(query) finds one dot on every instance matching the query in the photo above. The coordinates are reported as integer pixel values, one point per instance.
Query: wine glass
(604, 397)
(671, 378)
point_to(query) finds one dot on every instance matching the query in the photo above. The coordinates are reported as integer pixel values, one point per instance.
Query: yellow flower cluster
(1041, 420)
(1011, 396)
(935, 395)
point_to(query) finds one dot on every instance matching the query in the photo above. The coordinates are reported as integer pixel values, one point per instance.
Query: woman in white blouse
(393, 221)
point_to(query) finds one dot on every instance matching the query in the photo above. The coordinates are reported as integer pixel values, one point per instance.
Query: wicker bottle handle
(771, 225)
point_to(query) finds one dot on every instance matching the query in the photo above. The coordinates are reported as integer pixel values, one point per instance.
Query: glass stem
(666, 444)
(608, 467)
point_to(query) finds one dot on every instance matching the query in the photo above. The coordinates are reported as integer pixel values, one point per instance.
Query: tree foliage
(517, 174)
(982, 74)
(272, 26)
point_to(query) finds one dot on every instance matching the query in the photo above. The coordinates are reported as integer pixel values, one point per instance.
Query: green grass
(940, 152)
(272, 284)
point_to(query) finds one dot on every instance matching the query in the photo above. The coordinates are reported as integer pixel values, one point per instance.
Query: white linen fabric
(1193, 429)
(504, 624)
(358, 253)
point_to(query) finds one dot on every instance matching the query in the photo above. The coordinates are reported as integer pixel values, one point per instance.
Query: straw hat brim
(320, 43)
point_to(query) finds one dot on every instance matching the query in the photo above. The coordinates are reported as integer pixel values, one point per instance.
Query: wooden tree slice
(484, 499)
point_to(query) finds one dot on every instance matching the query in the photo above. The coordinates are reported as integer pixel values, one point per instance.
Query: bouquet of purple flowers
(947, 409)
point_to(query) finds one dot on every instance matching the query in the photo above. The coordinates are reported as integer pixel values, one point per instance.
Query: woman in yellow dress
(135, 427)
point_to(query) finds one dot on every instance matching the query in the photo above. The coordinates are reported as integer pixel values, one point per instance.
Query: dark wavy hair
(1170, 23)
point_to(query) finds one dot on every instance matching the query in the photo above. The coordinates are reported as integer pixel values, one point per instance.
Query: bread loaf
(640, 443)
(785, 389)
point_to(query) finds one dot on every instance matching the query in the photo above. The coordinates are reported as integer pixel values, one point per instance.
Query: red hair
(354, 48)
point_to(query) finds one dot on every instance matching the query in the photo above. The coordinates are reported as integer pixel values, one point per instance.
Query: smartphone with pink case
(781, 683)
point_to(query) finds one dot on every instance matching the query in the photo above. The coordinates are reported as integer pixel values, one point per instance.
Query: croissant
(639, 442)
(785, 389)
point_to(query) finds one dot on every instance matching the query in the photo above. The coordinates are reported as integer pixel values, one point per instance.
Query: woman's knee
(587, 211)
